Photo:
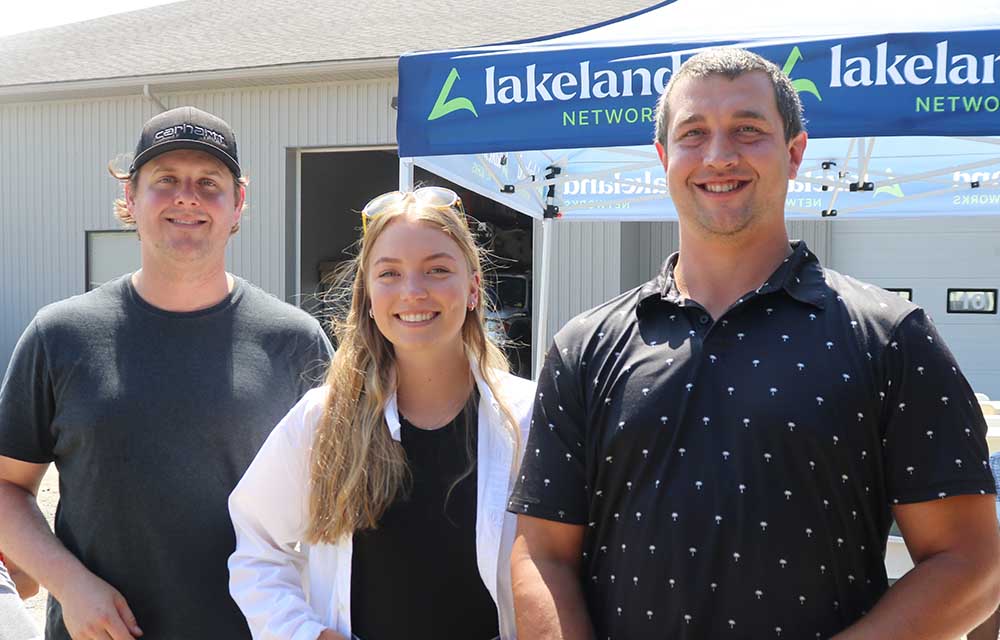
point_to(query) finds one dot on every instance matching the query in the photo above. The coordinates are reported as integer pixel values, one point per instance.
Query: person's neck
(175, 290)
(431, 389)
(715, 272)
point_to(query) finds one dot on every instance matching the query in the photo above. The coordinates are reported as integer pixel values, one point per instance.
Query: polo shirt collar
(803, 277)
(799, 275)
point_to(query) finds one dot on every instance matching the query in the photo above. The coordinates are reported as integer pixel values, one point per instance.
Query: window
(972, 300)
(109, 255)
(906, 294)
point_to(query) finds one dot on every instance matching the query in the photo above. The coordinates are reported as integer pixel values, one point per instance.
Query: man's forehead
(691, 95)
(187, 159)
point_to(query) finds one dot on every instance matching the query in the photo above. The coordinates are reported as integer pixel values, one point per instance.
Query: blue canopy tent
(901, 107)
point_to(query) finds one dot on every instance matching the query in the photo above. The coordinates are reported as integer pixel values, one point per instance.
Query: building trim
(298, 73)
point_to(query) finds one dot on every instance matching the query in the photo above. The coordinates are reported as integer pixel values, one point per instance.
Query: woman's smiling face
(420, 286)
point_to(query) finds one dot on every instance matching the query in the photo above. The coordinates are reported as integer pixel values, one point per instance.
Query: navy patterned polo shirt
(735, 476)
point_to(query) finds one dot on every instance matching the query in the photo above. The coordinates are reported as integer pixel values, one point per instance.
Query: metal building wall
(645, 245)
(818, 236)
(585, 268)
(54, 184)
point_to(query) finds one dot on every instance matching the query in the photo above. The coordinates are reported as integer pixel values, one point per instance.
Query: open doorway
(336, 185)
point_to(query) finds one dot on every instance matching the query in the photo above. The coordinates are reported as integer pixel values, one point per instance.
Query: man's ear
(662, 152)
(241, 197)
(129, 197)
(796, 151)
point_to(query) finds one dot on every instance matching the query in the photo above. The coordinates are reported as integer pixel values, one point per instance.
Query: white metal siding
(585, 268)
(645, 245)
(54, 184)
(816, 234)
(929, 256)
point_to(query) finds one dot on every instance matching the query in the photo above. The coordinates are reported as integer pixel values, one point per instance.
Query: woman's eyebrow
(439, 255)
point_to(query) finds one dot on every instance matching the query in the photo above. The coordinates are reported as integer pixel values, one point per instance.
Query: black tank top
(416, 576)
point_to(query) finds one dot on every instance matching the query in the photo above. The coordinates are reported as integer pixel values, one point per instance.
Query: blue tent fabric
(887, 85)
(597, 87)
(899, 121)
(564, 125)
(579, 100)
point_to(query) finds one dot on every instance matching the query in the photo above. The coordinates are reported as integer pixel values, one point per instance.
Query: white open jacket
(290, 590)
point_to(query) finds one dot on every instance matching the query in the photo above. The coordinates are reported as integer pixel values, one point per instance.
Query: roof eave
(298, 73)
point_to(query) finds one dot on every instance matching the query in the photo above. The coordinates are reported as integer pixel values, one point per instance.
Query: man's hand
(94, 610)
(330, 634)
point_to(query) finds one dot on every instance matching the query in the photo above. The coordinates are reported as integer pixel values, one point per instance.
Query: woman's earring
(371, 314)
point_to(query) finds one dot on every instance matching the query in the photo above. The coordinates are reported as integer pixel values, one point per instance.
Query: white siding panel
(54, 186)
(54, 183)
(585, 268)
(645, 246)
(929, 256)
(815, 233)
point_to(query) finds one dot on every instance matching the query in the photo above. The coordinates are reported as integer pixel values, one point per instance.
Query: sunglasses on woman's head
(437, 197)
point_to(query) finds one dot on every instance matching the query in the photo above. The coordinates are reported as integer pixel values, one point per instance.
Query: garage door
(930, 257)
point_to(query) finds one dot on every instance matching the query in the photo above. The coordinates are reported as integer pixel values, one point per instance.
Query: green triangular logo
(444, 106)
(802, 84)
(894, 190)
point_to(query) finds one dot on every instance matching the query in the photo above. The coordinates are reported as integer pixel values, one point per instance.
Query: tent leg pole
(541, 339)
(406, 174)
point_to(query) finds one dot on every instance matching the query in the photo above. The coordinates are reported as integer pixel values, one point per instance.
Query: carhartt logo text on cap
(191, 132)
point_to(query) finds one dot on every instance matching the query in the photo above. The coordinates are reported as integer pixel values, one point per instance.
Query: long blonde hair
(356, 468)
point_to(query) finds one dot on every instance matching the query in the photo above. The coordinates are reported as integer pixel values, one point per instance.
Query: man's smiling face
(726, 158)
(184, 205)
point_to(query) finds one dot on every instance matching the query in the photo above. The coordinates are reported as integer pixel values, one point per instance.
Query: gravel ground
(48, 498)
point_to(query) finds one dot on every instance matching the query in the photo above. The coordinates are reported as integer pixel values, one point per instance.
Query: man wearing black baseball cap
(187, 128)
(152, 394)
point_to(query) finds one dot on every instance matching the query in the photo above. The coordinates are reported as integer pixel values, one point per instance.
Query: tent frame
(520, 98)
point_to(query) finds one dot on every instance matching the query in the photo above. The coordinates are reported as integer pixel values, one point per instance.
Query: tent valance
(577, 102)
(901, 102)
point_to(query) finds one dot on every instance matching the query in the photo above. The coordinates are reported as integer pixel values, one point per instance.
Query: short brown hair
(732, 63)
(121, 206)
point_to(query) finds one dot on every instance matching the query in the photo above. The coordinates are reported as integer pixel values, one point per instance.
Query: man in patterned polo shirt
(720, 452)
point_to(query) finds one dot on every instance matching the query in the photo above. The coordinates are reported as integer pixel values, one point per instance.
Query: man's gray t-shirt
(151, 418)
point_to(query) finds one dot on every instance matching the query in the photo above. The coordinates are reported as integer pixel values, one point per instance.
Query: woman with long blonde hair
(376, 508)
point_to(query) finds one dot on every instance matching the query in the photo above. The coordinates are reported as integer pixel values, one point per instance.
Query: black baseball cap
(187, 128)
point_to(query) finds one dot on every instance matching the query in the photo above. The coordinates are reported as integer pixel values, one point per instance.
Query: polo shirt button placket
(697, 328)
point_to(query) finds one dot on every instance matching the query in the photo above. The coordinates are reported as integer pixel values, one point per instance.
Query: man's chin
(727, 224)
(186, 251)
